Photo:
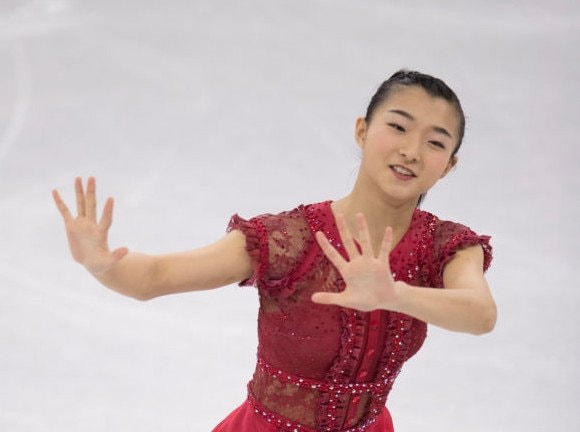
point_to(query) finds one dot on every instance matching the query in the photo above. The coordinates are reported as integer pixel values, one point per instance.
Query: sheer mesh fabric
(296, 336)
(324, 367)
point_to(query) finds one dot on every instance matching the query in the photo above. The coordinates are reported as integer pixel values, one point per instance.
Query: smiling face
(407, 144)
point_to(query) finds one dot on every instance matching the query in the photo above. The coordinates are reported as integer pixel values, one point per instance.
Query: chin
(401, 199)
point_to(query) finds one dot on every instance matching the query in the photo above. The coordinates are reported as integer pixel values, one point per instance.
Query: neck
(379, 211)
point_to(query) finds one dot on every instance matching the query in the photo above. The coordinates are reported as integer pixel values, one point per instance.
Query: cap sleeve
(256, 245)
(276, 245)
(452, 237)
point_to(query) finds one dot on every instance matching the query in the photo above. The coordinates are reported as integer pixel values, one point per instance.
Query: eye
(397, 127)
(437, 144)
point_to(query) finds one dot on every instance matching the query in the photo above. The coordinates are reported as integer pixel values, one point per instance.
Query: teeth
(402, 170)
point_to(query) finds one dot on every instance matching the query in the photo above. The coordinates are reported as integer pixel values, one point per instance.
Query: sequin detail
(325, 368)
(286, 425)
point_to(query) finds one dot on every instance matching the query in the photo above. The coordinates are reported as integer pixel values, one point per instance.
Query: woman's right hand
(87, 238)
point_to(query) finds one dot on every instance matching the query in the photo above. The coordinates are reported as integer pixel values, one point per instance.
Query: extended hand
(88, 239)
(369, 282)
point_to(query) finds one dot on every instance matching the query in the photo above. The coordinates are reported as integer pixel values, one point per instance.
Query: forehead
(433, 111)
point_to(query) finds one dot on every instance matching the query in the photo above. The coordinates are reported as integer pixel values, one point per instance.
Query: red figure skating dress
(326, 368)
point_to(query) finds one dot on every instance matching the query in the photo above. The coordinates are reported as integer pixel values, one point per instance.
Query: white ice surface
(189, 111)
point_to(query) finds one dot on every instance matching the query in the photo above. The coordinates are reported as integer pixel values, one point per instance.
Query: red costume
(326, 368)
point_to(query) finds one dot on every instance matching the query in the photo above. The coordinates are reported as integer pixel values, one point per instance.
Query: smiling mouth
(402, 170)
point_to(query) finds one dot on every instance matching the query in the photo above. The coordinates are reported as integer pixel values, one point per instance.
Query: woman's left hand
(369, 282)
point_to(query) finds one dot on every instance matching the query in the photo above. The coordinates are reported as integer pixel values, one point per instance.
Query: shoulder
(300, 217)
(449, 237)
(277, 243)
(294, 213)
(262, 224)
(443, 230)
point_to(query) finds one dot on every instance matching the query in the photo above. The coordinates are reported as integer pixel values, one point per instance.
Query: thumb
(119, 253)
(326, 298)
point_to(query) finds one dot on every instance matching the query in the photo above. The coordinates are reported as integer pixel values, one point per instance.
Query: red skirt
(244, 419)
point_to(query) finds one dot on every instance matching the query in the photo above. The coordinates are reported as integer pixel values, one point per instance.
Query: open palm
(368, 278)
(87, 238)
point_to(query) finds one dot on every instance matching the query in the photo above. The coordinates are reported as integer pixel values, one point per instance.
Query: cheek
(382, 143)
(440, 164)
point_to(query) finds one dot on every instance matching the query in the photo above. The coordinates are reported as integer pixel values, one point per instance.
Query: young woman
(346, 287)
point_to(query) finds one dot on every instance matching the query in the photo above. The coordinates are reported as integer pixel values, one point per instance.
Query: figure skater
(346, 287)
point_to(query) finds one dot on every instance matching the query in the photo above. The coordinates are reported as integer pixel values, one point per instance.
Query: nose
(410, 150)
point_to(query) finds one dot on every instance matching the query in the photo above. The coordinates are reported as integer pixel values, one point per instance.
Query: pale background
(189, 111)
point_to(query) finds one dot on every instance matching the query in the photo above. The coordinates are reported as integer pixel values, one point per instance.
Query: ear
(360, 131)
(450, 165)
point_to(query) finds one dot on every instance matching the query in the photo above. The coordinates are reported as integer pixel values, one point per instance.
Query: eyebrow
(410, 117)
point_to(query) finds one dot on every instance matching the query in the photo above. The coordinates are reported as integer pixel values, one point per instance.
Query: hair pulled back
(433, 86)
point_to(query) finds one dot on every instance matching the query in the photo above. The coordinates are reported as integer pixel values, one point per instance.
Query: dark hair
(433, 86)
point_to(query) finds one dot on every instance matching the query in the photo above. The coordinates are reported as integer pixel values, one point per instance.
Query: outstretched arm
(465, 305)
(146, 276)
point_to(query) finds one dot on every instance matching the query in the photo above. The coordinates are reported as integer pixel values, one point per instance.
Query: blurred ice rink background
(189, 111)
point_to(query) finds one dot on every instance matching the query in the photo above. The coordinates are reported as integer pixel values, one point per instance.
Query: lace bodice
(326, 368)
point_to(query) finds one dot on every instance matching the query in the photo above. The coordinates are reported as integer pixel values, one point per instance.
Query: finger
(364, 236)
(107, 216)
(62, 208)
(80, 197)
(91, 201)
(386, 245)
(327, 298)
(119, 253)
(329, 250)
(346, 236)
